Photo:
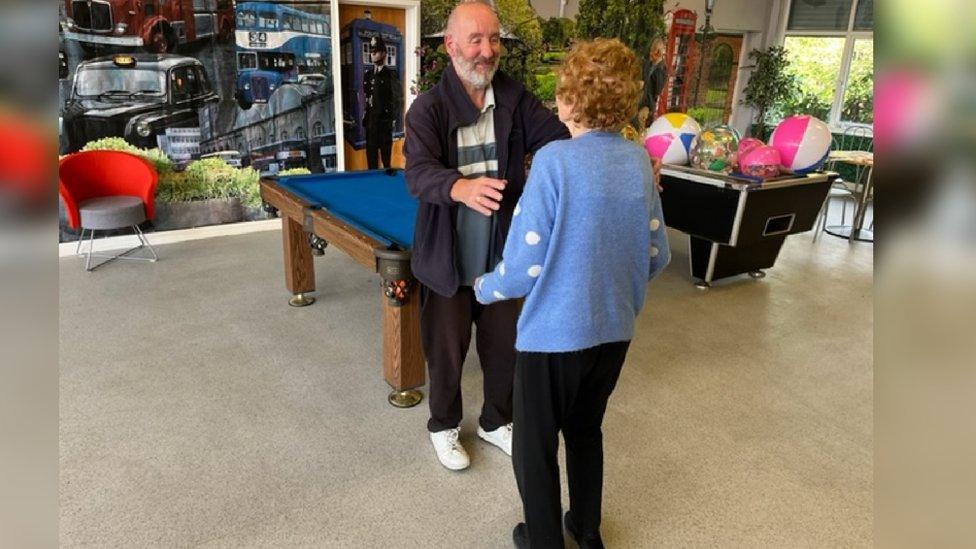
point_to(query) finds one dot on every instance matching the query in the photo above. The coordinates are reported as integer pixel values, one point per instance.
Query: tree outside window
(830, 45)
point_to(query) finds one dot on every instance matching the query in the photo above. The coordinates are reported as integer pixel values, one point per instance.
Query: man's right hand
(483, 194)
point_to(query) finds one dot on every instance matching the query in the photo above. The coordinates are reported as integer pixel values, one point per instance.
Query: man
(381, 87)
(655, 75)
(466, 142)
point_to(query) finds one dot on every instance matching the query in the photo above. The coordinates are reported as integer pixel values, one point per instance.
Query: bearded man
(466, 142)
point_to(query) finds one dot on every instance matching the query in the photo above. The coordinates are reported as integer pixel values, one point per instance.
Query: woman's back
(591, 285)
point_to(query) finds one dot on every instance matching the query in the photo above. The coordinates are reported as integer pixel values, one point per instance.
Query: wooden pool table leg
(299, 269)
(403, 359)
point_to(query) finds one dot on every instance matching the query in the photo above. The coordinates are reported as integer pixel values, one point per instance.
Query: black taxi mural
(135, 96)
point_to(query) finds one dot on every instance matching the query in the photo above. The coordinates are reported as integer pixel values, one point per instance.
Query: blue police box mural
(362, 41)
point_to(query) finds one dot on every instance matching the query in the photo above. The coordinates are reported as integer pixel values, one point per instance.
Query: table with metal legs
(856, 230)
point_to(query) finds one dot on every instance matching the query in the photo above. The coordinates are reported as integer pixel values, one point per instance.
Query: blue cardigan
(587, 235)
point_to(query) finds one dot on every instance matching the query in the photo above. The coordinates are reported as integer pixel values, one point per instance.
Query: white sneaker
(501, 437)
(449, 450)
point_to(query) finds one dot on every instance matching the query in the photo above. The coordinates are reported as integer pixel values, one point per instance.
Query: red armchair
(104, 190)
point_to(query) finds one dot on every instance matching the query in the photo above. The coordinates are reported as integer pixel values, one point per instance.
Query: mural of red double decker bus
(158, 26)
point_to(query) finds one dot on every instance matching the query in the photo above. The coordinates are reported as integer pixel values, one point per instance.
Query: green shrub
(111, 144)
(157, 157)
(554, 56)
(295, 171)
(545, 88)
(201, 180)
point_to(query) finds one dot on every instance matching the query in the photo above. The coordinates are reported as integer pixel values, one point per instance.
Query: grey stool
(112, 212)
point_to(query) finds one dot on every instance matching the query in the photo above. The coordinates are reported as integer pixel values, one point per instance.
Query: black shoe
(520, 536)
(589, 542)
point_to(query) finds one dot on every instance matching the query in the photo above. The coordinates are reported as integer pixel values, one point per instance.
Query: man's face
(658, 51)
(475, 45)
(378, 57)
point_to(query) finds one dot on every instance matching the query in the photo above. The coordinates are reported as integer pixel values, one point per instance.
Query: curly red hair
(601, 79)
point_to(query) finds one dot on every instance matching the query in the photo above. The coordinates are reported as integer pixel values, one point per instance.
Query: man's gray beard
(466, 71)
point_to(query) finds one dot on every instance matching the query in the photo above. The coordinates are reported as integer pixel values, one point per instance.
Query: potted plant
(770, 84)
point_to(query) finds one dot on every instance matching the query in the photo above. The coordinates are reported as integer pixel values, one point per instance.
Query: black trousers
(565, 392)
(379, 144)
(445, 332)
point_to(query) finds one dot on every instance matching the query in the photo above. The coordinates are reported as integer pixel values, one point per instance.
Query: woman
(587, 235)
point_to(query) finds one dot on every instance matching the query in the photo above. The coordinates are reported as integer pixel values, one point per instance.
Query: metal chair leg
(821, 223)
(145, 242)
(80, 240)
(91, 246)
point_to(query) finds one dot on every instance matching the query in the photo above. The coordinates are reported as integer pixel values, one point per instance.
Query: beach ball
(745, 146)
(803, 143)
(669, 137)
(714, 149)
(760, 162)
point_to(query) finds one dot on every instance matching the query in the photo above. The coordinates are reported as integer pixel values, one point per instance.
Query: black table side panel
(802, 202)
(731, 261)
(699, 209)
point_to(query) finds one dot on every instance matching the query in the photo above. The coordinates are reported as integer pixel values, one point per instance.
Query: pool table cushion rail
(352, 240)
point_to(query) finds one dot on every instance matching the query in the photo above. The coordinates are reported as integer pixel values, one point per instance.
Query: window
(859, 93)
(831, 47)
(183, 83)
(366, 59)
(247, 60)
(391, 56)
(820, 15)
(268, 20)
(203, 82)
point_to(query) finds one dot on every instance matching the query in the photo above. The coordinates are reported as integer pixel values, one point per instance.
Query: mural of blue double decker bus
(354, 44)
(277, 44)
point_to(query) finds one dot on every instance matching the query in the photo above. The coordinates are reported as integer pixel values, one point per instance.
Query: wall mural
(247, 82)
(372, 70)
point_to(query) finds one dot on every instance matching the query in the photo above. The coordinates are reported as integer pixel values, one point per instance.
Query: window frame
(849, 36)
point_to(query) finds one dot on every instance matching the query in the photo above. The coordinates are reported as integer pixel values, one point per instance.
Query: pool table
(369, 215)
(736, 225)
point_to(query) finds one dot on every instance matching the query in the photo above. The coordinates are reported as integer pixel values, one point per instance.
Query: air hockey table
(736, 225)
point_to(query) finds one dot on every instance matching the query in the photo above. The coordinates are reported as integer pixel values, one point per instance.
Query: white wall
(728, 15)
(550, 8)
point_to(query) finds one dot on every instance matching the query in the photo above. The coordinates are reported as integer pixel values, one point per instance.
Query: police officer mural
(372, 64)
(383, 99)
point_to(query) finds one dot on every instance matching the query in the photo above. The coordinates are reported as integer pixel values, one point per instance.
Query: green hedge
(546, 87)
(201, 180)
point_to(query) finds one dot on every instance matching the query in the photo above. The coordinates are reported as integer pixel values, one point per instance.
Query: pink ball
(745, 146)
(762, 162)
(803, 143)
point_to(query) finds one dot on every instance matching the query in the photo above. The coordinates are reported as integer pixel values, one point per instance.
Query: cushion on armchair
(112, 212)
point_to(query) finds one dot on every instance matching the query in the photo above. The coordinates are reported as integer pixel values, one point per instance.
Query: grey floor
(199, 409)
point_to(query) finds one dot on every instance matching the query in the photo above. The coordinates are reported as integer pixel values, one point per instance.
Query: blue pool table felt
(371, 201)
